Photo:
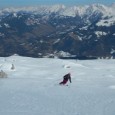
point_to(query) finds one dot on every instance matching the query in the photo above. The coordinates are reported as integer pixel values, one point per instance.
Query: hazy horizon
(21, 3)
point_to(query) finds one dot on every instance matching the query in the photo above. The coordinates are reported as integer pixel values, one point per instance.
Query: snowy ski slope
(32, 87)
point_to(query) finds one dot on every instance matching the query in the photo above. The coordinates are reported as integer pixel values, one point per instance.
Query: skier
(65, 79)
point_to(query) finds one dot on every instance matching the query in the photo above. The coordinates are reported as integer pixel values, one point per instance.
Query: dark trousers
(63, 82)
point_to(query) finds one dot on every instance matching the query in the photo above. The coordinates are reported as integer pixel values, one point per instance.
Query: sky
(21, 3)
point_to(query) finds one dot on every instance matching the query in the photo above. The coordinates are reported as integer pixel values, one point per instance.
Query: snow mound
(6, 66)
(112, 86)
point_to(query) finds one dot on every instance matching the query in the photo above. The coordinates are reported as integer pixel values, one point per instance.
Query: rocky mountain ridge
(86, 31)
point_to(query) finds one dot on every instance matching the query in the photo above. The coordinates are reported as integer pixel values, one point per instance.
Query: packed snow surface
(32, 88)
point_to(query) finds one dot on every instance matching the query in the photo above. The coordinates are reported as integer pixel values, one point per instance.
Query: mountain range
(58, 30)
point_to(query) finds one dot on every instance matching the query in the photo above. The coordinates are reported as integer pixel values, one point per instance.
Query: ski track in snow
(33, 87)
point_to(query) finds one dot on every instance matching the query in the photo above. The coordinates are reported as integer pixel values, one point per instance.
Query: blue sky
(15, 3)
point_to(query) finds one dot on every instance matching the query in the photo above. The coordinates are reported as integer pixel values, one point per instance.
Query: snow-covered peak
(96, 7)
(66, 11)
(73, 11)
(57, 8)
